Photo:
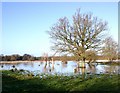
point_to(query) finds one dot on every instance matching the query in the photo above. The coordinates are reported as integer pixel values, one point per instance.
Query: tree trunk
(84, 62)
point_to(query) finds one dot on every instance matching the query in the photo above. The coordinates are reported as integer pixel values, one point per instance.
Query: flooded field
(58, 67)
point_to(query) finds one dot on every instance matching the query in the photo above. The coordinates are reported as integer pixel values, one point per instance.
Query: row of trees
(17, 57)
(91, 56)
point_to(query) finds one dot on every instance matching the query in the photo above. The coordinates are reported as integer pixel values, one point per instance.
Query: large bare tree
(85, 32)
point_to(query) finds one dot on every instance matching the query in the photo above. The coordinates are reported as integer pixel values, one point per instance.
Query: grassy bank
(14, 82)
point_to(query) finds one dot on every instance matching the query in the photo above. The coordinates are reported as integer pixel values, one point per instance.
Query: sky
(24, 24)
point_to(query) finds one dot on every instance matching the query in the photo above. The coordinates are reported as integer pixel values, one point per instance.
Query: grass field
(14, 82)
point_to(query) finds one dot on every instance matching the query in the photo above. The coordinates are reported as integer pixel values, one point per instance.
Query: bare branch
(86, 32)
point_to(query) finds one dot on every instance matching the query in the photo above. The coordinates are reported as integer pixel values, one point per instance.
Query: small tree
(26, 57)
(91, 56)
(110, 49)
(84, 33)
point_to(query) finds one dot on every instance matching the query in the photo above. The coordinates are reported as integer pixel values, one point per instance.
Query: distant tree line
(91, 56)
(17, 57)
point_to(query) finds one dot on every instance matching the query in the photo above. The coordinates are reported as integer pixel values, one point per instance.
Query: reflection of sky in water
(61, 67)
(100, 68)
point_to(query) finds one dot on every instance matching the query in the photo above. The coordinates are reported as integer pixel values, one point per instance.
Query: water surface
(59, 67)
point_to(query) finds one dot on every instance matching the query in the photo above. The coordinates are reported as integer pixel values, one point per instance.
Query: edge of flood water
(14, 82)
(99, 61)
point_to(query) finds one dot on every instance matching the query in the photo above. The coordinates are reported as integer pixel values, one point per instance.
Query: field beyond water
(16, 82)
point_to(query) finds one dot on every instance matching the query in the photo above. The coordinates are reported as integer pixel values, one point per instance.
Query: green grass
(14, 82)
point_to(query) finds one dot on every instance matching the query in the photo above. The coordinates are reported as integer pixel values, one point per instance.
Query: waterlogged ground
(58, 67)
(32, 77)
(16, 82)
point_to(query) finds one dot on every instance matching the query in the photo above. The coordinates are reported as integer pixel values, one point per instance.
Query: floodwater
(59, 67)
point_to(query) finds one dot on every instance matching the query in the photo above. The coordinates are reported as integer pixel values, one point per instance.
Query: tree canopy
(110, 48)
(86, 32)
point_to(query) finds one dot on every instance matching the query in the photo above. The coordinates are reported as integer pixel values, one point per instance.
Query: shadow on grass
(103, 84)
(13, 85)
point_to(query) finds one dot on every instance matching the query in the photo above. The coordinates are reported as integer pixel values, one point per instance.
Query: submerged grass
(15, 82)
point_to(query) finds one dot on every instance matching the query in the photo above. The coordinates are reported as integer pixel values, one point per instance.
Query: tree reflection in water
(64, 64)
(91, 68)
(111, 69)
(70, 67)
(48, 67)
(80, 70)
(83, 73)
(45, 67)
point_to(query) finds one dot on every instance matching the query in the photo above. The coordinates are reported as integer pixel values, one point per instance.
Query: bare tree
(110, 49)
(84, 33)
(118, 54)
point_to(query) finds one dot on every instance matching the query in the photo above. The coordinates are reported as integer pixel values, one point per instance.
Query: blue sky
(24, 25)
